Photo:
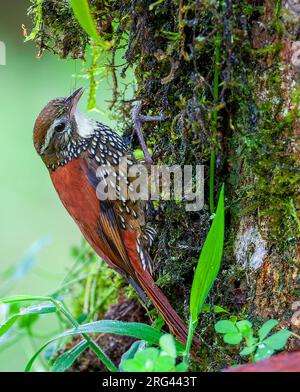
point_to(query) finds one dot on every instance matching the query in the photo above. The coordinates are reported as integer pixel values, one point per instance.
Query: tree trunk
(225, 76)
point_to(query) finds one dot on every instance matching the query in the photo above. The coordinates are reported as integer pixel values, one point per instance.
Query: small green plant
(260, 346)
(207, 269)
(149, 359)
(46, 305)
(84, 16)
(153, 359)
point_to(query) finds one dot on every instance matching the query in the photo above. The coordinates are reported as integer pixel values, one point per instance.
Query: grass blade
(36, 309)
(65, 360)
(4, 327)
(23, 298)
(136, 330)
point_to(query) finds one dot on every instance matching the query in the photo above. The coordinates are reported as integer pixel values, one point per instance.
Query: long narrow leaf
(209, 261)
(65, 360)
(136, 330)
(4, 327)
(23, 298)
(42, 308)
(84, 16)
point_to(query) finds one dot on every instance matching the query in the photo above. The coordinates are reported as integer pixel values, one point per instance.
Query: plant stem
(192, 328)
(94, 346)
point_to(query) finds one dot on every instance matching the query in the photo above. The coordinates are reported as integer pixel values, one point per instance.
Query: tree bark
(225, 74)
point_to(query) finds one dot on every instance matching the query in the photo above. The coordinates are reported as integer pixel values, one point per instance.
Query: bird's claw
(138, 120)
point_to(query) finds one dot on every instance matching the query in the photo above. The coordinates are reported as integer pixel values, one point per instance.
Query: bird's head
(58, 123)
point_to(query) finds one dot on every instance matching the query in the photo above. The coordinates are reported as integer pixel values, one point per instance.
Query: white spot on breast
(86, 126)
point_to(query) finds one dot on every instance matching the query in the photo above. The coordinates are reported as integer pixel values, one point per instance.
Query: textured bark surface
(225, 75)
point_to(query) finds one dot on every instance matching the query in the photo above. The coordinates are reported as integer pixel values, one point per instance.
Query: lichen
(250, 247)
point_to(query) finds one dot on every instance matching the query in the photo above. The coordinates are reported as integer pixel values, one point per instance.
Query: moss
(59, 32)
(210, 103)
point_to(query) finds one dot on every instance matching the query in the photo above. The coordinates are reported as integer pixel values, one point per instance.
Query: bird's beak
(73, 100)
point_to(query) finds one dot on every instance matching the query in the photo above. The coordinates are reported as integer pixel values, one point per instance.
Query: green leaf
(136, 330)
(263, 352)
(129, 354)
(216, 309)
(251, 340)
(233, 338)
(244, 325)
(248, 350)
(143, 361)
(278, 340)
(8, 324)
(23, 298)
(164, 363)
(133, 365)
(167, 344)
(84, 16)
(182, 367)
(226, 326)
(209, 261)
(65, 360)
(42, 308)
(266, 328)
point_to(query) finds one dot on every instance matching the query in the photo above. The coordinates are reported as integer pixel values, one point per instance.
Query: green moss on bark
(172, 46)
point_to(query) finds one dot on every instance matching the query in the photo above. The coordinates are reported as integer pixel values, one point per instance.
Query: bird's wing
(110, 227)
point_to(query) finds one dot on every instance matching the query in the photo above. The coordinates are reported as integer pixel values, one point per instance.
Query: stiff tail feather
(141, 280)
(160, 301)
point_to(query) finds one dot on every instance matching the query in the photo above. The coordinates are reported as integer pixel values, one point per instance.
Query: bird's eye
(60, 127)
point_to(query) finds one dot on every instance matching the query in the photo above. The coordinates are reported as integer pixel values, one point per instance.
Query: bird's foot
(138, 120)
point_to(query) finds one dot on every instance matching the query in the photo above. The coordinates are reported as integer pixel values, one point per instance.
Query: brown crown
(51, 111)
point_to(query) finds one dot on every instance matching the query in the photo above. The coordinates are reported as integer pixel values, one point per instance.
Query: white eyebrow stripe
(48, 138)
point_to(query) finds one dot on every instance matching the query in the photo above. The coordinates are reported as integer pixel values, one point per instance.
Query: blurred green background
(30, 208)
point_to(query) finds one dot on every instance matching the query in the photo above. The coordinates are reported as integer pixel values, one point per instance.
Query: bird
(80, 153)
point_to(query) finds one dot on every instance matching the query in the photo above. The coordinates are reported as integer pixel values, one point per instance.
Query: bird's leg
(138, 120)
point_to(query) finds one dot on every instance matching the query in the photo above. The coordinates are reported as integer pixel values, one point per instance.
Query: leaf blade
(84, 16)
(209, 261)
(266, 328)
(65, 360)
(137, 330)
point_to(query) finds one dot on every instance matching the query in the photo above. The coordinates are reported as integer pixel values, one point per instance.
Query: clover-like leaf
(226, 326)
(248, 350)
(278, 340)
(263, 352)
(266, 328)
(143, 361)
(233, 338)
(164, 363)
(245, 327)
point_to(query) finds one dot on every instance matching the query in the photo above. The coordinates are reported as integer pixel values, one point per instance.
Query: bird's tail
(160, 301)
(142, 281)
